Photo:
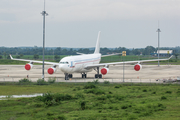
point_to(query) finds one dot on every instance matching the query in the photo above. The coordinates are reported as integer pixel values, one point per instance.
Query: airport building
(163, 53)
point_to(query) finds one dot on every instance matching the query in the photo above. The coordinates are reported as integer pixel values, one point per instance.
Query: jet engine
(28, 66)
(137, 67)
(104, 71)
(51, 70)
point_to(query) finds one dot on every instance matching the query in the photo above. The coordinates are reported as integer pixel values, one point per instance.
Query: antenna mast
(44, 14)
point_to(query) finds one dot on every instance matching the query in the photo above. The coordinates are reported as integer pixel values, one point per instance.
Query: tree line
(20, 51)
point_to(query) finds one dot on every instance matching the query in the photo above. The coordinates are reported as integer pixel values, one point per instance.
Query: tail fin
(97, 49)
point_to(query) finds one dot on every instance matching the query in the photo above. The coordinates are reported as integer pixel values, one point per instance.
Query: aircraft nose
(63, 68)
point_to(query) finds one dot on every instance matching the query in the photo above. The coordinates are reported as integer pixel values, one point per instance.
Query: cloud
(121, 22)
(81, 10)
(89, 10)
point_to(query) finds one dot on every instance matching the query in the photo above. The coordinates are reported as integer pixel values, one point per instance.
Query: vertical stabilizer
(97, 49)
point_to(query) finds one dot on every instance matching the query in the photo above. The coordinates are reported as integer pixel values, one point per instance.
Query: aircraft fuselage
(76, 64)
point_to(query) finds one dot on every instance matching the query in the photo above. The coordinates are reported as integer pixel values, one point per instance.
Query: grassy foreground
(92, 101)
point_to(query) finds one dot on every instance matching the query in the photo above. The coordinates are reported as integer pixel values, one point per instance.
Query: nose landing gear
(67, 76)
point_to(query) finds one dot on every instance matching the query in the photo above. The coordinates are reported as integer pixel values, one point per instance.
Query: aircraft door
(71, 64)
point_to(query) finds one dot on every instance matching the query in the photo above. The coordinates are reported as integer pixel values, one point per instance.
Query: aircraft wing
(101, 55)
(116, 63)
(111, 54)
(34, 61)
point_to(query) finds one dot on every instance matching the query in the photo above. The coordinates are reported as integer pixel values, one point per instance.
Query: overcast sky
(75, 23)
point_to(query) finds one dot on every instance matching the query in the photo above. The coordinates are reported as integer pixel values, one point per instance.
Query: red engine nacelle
(104, 71)
(51, 70)
(28, 66)
(137, 67)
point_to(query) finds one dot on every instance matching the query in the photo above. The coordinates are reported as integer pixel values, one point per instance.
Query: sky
(75, 23)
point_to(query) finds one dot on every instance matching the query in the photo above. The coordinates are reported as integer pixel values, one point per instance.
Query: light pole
(123, 54)
(123, 70)
(158, 30)
(44, 14)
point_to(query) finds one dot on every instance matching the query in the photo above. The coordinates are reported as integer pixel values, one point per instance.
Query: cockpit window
(64, 63)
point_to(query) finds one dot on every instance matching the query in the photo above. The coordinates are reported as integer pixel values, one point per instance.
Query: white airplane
(84, 63)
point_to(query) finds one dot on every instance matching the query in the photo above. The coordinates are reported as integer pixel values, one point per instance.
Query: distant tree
(176, 55)
(85, 50)
(17, 56)
(4, 51)
(1, 57)
(21, 55)
(120, 49)
(4, 54)
(105, 51)
(58, 50)
(8, 57)
(57, 57)
(36, 56)
(136, 51)
(64, 52)
(80, 50)
(148, 50)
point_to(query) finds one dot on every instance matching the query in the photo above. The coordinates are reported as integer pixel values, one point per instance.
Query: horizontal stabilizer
(79, 53)
(111, 54)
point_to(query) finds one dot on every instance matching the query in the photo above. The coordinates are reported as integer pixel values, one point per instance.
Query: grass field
(115, 58)
(92, 101)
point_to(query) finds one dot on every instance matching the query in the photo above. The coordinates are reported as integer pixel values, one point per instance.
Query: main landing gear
(84, 75)
(98, 75)
(67, 76)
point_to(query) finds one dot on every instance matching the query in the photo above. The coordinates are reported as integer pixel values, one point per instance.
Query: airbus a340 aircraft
(84, 63)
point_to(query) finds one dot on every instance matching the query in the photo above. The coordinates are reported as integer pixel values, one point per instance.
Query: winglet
(10, 56)
(97, 49)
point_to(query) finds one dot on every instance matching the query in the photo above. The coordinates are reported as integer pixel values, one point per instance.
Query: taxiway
(148, 72)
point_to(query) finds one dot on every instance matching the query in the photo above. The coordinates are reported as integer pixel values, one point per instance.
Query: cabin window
(64, 63)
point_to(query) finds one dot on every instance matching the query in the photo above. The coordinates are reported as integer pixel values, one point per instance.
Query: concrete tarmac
(148, 73)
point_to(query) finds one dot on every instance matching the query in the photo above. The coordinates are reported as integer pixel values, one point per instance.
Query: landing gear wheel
(84, 75)
(66, 76)
(98, 75)
(70, 76)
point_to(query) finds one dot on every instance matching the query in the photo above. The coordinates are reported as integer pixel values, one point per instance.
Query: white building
(164, 53)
